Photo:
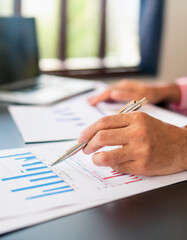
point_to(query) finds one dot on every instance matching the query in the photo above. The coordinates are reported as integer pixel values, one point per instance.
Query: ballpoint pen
(131, 106)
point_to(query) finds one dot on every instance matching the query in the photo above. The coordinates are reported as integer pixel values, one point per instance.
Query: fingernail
(81, 138)
(96, 160)
(91, 101)
(86, 150)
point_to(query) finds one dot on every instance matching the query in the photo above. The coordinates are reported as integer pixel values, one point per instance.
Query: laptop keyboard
(45, 90)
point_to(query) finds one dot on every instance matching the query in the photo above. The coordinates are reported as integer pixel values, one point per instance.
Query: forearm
(169, 92)
(174, 93)
(184, 148)
(181, 106)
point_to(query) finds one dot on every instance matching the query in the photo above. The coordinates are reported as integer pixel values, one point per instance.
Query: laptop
(20, 78)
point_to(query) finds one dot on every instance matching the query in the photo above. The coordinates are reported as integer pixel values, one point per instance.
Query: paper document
(30, 187)
(66, 120)
(63, 121)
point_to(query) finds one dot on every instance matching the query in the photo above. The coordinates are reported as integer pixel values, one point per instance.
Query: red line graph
(133, 181)
(115, 174)
(119, 175)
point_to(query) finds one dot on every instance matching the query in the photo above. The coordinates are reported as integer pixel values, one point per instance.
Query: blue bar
(27, 175)
(44, 178)
(61, 110)
(68, 119)
(36, 186)
(38, 168)
(26, 158)
(15, 155)
(31, 164)
(53, 189)
(80, 124)
(48, 194)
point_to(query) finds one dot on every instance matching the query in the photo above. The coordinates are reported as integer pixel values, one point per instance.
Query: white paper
(63, 121)
(33, 192)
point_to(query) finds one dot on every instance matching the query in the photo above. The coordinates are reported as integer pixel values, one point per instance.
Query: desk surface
(155, 215)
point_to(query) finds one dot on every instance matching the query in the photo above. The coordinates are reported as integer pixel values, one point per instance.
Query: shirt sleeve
(182, 106)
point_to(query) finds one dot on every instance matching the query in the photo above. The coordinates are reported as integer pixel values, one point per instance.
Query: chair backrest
(18, 49)
(151, 24)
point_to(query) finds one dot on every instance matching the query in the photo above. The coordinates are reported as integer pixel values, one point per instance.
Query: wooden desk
(155, 215)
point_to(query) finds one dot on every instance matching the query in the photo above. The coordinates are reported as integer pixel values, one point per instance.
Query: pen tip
(61, 159)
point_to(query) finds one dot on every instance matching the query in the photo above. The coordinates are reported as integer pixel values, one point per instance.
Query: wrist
(184, 148)
(171, 93)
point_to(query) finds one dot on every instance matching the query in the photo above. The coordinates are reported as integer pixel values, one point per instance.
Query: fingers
(109, 122)
(118, 92)
(109, 137)
(118, 95)
(120, 160)
(124, 91)
(102, 97)
(115, 94)
(114, 158)
(122, 95)
(126, 167)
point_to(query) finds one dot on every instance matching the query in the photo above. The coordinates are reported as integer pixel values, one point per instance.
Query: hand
(148, 146)
(127, 90)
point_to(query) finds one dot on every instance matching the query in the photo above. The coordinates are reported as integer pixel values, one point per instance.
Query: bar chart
(31, 188)
(30, 184)
(27, 177)
(68, 115)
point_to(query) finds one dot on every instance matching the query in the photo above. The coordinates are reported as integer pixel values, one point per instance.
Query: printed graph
(28, 178)
(99, 177)
(67, 115)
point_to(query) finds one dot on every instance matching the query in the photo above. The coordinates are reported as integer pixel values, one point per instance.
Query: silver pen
(131, 106)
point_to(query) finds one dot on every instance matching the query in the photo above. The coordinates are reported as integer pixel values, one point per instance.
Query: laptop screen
(18, 49)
